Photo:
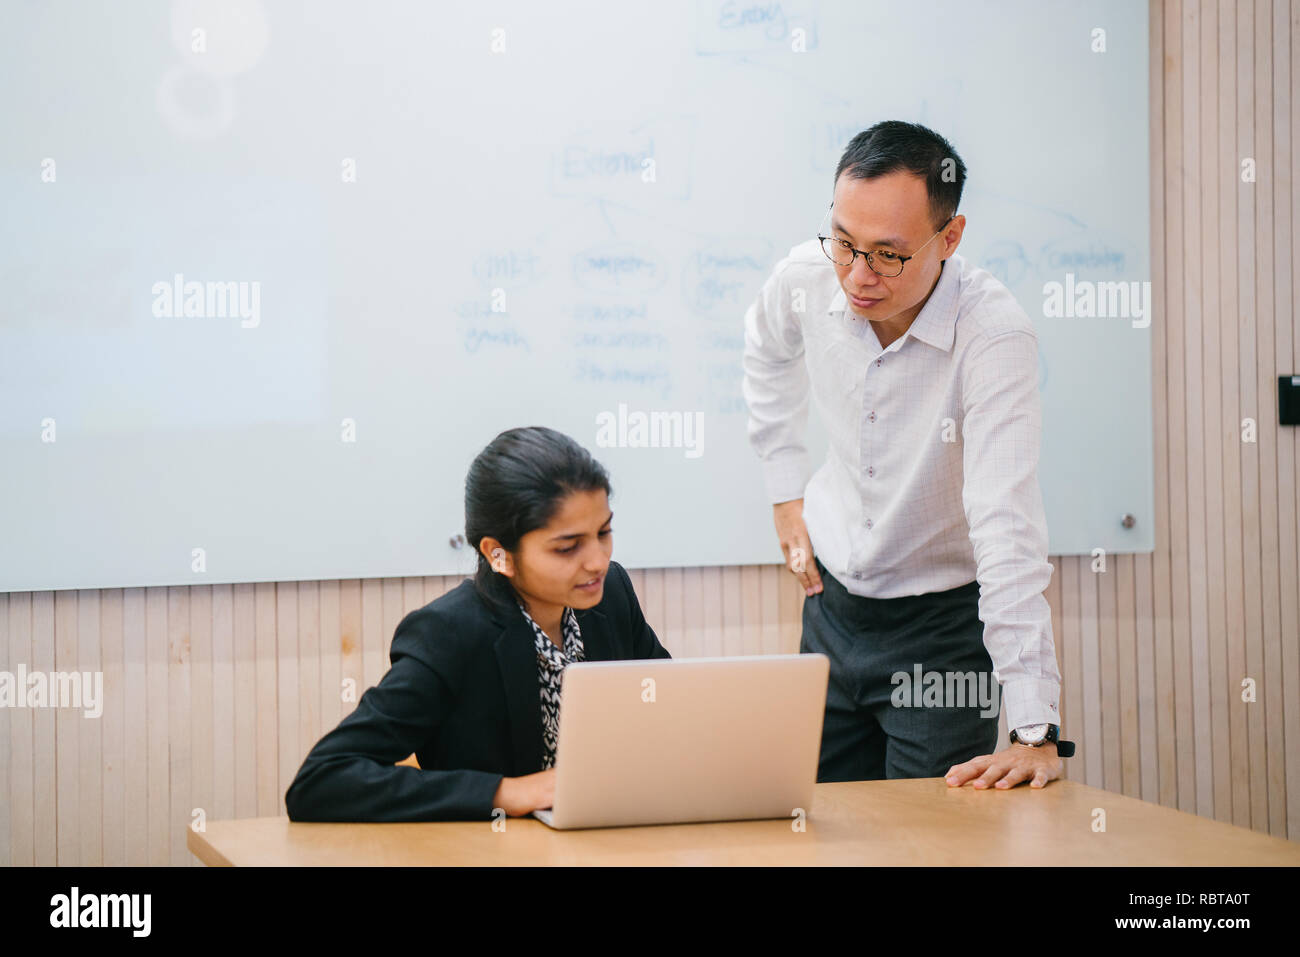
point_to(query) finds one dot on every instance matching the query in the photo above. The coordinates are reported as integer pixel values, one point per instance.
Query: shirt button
(869, 523)
(877, 362)
(872, 416)
(871, 471)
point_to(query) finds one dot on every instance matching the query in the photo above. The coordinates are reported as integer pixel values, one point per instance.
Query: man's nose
(861, 274)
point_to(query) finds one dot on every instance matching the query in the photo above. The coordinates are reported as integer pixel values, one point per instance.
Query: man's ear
(953, 233)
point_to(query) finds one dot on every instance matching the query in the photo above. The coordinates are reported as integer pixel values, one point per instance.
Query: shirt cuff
(1032, 701)
(785, 476)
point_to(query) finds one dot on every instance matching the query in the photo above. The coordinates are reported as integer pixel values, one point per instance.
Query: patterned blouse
(551, 662)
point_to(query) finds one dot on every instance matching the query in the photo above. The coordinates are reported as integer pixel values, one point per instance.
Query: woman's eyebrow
(560, 538)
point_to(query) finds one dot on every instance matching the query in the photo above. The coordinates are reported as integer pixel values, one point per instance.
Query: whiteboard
(414, 225)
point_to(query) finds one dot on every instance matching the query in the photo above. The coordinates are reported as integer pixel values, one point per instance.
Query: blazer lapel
(596, 639)
(517, 659)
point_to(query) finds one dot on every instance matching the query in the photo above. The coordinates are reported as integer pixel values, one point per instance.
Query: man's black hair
(893, 145)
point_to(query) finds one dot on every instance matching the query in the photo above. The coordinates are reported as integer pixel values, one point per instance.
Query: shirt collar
(936, 323)
(568, 618)
(572, 634)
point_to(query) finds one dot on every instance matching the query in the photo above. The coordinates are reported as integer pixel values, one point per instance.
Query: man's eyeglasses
(882, 261)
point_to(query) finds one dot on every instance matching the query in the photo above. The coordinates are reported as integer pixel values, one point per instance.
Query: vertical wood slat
(66, 728)
(89, 730)
(112, 757)
(790, 605)
(178, 781)
(1171, 455)
(711, 583)
(1195, 419)
(1070, 637)
(769, 588)
(244, 603)
(135, 724)
(749, 596)
(1233, 451)
(330, 696)
(350, 645)
(1181, 731)
(674, 612)
(1054, 592)
(1214, 671)
(1284, 359)
(202, 711)
(654, 608)
(156, 710)
(20, 794)
(1261, 151)
(222, 798)
(309, 673)
(44, 797)
(1247, 392)
(733, 626)
(693, 604)
(1153, 570)
(372, 638)
(212, 694)
(267, 743)
(1125, 676)
(1090, 672)
(1291, 639)
(288, 749)
(1108, 674)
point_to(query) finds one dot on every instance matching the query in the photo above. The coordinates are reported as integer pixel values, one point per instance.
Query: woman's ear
(498, 558)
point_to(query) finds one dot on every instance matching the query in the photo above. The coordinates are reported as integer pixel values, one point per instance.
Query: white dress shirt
(930, 480)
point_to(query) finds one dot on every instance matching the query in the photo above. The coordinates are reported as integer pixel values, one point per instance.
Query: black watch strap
(1064, 749)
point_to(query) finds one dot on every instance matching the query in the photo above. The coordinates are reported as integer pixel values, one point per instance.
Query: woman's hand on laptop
(524, 795)
(796, 545)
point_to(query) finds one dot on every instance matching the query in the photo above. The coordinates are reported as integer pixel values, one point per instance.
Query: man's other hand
(795, 544)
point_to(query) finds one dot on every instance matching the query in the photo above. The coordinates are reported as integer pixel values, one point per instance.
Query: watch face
(1032, 734)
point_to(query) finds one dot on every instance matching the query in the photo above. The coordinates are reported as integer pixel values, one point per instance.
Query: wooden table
(899, 822)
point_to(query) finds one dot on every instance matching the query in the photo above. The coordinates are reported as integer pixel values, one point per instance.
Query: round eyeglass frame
(867, 255)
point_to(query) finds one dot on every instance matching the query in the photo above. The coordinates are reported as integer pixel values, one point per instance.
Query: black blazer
(463, 695)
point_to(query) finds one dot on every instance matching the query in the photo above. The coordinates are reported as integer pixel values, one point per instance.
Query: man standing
(921, 542)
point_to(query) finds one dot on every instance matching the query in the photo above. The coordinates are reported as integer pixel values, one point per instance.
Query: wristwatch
(1035, 735)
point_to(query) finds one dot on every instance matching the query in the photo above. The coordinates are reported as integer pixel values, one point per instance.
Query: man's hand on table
(1006, 769)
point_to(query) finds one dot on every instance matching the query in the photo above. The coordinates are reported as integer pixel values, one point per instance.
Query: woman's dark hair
(893, 145)
(515, 486)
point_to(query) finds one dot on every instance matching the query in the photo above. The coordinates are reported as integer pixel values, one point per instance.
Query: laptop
(674, 741)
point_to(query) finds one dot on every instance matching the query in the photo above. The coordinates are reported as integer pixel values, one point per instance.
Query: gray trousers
(867, 733)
